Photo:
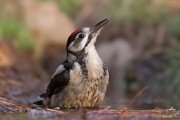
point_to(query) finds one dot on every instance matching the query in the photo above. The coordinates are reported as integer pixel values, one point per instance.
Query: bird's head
(81, 38)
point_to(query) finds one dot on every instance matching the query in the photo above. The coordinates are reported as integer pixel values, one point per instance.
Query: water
(31, 115)
(79, 114)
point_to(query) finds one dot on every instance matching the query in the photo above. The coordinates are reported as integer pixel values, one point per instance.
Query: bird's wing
(58, 83)
(59, 80)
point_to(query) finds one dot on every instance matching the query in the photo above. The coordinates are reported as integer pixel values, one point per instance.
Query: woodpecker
(82, 79)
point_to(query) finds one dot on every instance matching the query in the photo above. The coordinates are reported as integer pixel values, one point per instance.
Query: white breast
(94, 63)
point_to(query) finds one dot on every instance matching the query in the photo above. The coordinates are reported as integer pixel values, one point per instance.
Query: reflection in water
(31, 115)
(79, 114)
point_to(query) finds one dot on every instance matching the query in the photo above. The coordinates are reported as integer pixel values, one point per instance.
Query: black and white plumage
(82, 79)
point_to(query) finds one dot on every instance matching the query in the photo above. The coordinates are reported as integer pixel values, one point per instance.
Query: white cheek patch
(83, 42)
(80, 46)
(71, 46)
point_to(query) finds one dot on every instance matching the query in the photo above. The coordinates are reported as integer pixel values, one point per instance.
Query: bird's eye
(81, 36)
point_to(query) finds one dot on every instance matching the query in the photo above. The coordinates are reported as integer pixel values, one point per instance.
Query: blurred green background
(140, 45)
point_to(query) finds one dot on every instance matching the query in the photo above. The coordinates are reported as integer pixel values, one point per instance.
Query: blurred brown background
(140, 45)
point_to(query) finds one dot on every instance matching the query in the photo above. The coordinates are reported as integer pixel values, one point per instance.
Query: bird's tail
(40, 101)
(38, 104)
(42, 96)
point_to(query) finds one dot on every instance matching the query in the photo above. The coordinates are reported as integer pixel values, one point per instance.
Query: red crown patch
(75, 32)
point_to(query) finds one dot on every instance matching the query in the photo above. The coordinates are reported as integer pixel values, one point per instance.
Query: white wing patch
(59, 70)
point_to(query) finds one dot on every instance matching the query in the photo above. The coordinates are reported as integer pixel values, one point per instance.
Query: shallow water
(31, 115)
(79, 115)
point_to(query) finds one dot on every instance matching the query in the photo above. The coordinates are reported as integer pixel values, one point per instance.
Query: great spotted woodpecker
(82, 79)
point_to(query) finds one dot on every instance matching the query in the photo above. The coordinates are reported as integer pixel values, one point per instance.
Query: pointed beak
(96, 29)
